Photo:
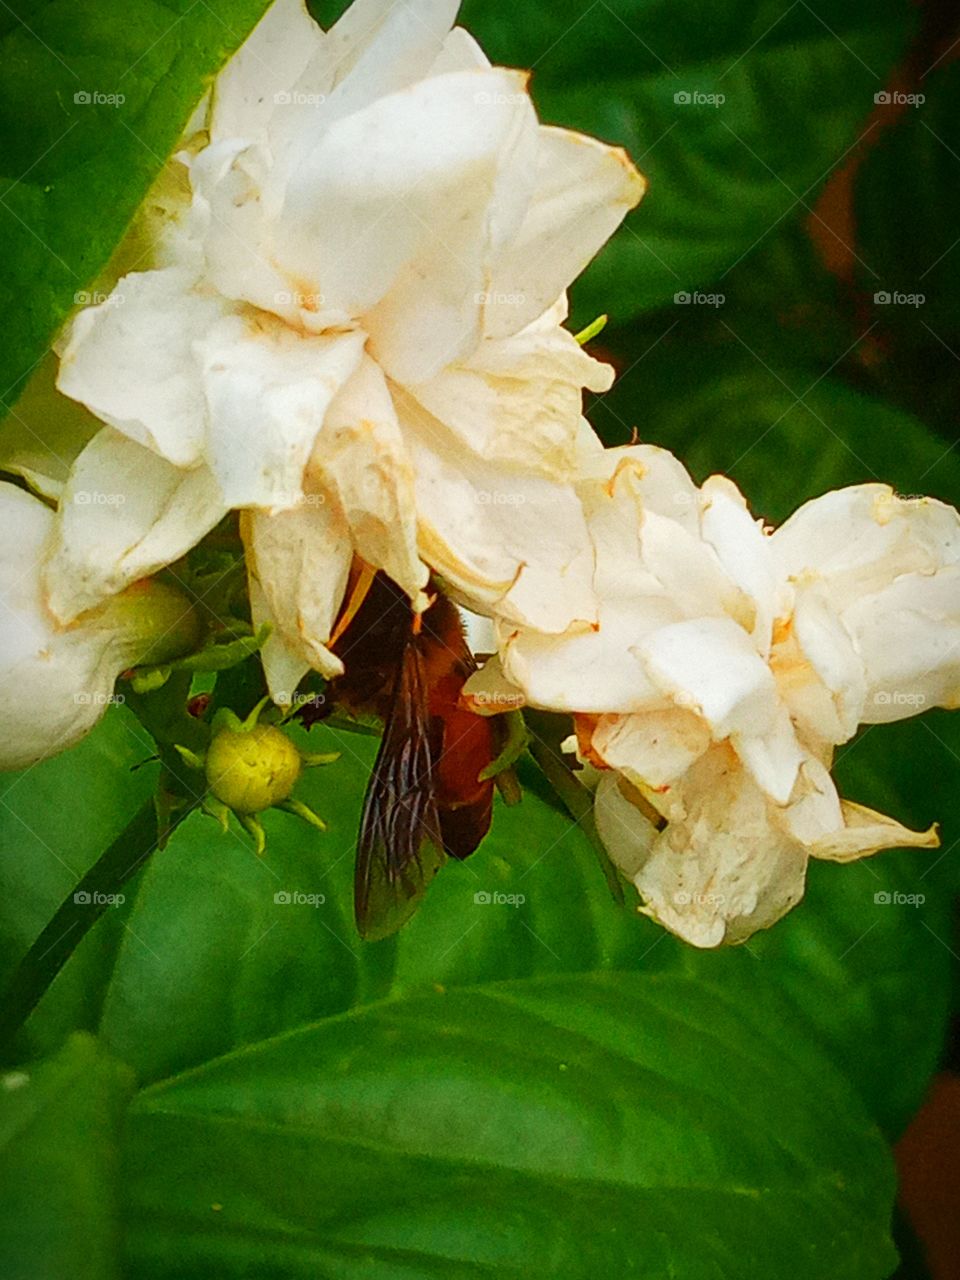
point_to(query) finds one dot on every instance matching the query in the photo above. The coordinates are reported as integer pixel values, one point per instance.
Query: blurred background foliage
(614, 1102)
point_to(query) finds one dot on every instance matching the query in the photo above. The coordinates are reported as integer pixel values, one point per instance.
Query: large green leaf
(59, 1128)
(909, 263)
(578, 1127)
(722, 177)
(55, 820)
(75, 159)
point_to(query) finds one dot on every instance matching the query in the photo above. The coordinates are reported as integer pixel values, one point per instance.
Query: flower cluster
(728, 664)
(352, 333)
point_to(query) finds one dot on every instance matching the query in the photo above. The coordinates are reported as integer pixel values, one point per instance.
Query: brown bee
(425, 799)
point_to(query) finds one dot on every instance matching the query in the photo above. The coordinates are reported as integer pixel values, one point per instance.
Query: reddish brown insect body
(424, 798)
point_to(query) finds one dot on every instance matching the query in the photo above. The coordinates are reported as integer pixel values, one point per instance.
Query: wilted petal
(488, 692)
(627, 834)
(298, 562)
(130, 361)
(124, 515)
(744, 551)
(55, 684)
(819, 670)
(362, 457)
(724, 871)
(584, 189)
(505, 540)
(412, 174)
(519, 401)
(772, 758)
(865, 831)
(652, 750)
(268, 389)
(859, 539)
(908, 637)
(276, 53)
(710, 666)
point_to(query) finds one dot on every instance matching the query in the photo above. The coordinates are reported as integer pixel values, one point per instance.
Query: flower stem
(73, 920)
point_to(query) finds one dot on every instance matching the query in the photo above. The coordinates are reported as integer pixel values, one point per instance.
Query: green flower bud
(249, 770)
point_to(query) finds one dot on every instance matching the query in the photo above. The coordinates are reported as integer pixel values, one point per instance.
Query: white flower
(728, 663)
(57, 681)
(355, 335)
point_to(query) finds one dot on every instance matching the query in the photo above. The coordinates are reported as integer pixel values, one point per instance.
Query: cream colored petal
(858, 540)
(583, 192)
(832, 653)
(284, 665)
(130, 361)
(865, 831)
(508, 542)
(773, 759)
(460, 52)
(586, 669)
(690, 573)
(814, 811)
(650, 478)
(272, 58)
(488, 692)
(124, 515)
(413, 174)
(55, 683)
(908, 637)
(725, 871)
(711, 667)
(361, 455)
(652, 750)
(744, 551)
(519, 401)
(268, 389)
(627, 834)
(298, 562)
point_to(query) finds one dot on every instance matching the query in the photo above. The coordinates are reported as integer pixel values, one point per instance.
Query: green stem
(579, 803)
(73, 920)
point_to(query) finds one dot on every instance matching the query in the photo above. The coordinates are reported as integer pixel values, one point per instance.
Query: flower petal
(724, 871)
(54, 685)
(506, 541)
(268, 389)
(865, 831)
(130, 361)
(584, 189)
(124, 515)
(275, 54)
(298, 562)
(744, 551)
(409, 180)
(362, 457)
(710, 666)
(652, 750)
(519, 401)
(908, 638)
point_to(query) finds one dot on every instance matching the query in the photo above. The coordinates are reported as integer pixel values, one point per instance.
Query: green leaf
(75, 160)
(579, 1127)
(59, 1129)
(722, 177)
(55, 820)
(909, 262)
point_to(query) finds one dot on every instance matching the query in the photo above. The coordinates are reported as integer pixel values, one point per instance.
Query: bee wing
(400, 848)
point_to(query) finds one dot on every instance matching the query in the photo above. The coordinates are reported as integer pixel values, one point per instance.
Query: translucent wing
(400, 849)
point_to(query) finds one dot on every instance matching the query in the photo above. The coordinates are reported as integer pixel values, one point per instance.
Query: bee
(425, 800)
